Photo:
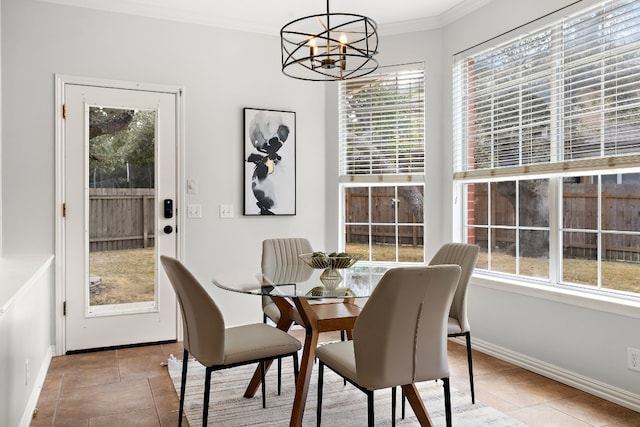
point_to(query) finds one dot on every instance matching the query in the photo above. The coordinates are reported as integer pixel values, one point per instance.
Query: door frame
(60, 197)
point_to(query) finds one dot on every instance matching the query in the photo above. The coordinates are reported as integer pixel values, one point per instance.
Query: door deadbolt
(168, 229)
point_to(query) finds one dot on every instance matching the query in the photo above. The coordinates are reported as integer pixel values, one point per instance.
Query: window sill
(619, 306)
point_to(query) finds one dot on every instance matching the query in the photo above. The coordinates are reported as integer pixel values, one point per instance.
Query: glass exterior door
(120, 167)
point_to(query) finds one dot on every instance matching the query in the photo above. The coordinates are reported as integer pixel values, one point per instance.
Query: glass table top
(357, 281)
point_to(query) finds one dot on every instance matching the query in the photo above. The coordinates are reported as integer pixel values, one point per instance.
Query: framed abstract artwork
(269, 162)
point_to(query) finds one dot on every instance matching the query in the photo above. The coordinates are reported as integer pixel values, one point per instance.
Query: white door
(120, 215)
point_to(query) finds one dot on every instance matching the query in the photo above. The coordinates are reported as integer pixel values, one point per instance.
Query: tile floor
(129, 387)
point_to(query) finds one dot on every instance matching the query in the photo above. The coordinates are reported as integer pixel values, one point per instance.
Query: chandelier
(329, 46)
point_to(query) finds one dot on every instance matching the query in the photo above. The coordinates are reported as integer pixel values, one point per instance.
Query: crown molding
(147, 8)
(171, 14)
(433, 23)
(460, 10)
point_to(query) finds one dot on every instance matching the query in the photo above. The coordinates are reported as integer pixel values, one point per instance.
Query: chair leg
(393, 406)
(447, 401)
(370, 410)
(264, 320)
(263, 386)
(207, 392)
(279, 375)
(296, 368)
(467, 336)
(403, 403)
(183, 383)
(342, 338)
(320, 384)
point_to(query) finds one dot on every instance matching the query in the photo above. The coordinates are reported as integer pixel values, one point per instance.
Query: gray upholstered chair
(281, 263)
(400, 337)
(464, 255)
(216, 347)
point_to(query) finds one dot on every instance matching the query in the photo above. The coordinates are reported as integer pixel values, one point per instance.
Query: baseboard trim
(588, 385)
(32, 404)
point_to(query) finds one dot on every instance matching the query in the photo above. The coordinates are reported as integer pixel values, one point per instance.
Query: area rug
(343, 406)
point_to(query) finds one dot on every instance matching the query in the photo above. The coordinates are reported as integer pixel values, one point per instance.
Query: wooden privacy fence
(620, 213)
(121, 218)
(383, 203)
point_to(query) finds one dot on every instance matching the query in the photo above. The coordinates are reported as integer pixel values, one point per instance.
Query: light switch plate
(192, 187)
(194, 211)
(226, 211)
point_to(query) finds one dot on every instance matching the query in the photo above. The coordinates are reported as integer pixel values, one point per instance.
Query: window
(547, 151)
(381, 134)
(510, 221)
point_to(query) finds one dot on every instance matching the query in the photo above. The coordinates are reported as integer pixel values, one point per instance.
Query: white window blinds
(381, 125)
(564, 97)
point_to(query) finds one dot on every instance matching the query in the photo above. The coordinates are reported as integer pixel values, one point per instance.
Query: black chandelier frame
(340, 52)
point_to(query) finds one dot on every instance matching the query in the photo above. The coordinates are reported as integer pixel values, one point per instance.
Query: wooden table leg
(412, 395)
(304, 377)
(315, 318)
(306, 364)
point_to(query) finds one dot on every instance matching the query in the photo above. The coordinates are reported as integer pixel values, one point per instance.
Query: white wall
(585, 345)
(222, 71)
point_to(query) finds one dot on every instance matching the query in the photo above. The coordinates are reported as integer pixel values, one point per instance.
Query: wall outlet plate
(633, 359)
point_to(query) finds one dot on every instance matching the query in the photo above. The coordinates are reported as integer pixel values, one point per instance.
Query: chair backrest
(280, 261)
(203, 324)
(464, 255)
(400, 336)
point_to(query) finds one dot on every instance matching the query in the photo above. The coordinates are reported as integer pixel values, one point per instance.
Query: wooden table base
(317, 318)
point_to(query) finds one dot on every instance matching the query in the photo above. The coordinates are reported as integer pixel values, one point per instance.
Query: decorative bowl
(331, 263)
(322, 260)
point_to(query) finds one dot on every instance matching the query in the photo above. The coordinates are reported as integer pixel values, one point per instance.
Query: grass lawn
(617, 275)
(128, 275)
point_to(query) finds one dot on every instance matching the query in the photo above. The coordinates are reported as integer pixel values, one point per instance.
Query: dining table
(317, 308)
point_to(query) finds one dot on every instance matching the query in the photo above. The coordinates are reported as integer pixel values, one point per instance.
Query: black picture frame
(269, 140)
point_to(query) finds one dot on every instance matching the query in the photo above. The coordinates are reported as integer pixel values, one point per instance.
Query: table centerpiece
(331, 263)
